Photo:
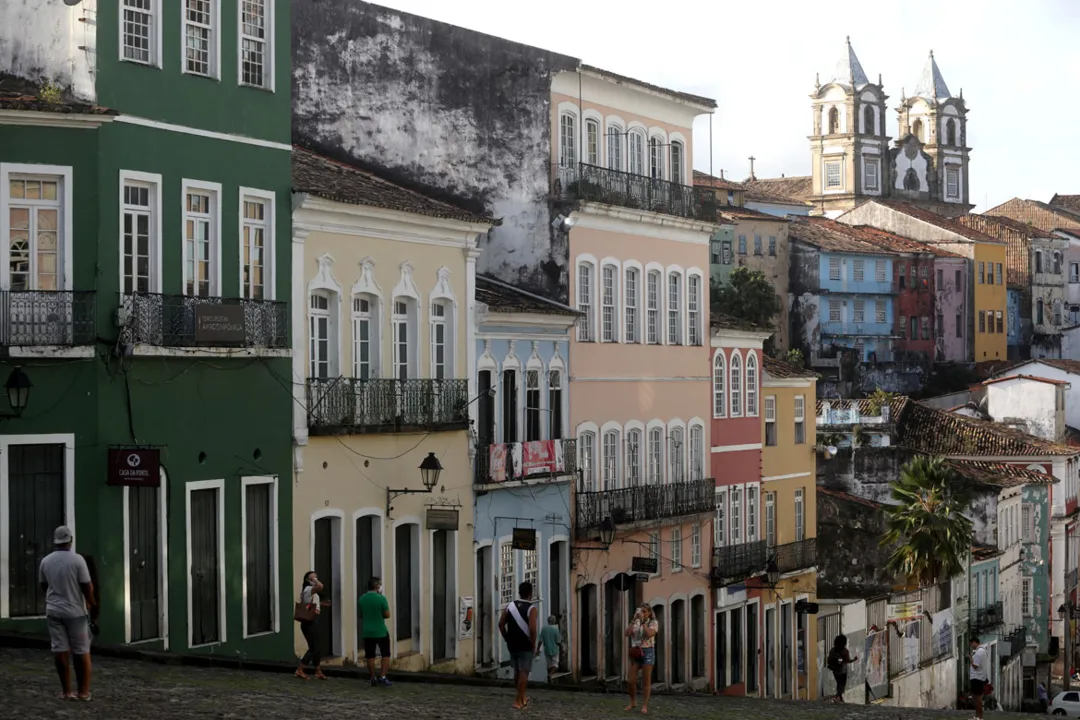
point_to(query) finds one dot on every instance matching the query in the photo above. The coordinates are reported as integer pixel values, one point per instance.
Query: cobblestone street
(130, 690)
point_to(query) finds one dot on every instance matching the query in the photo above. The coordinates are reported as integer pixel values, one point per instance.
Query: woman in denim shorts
(642, 633)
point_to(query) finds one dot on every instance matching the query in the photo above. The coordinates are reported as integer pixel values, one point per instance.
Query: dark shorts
(522, 661)
(977, 686)
(648, 657)
(383, 644)
(841, 682)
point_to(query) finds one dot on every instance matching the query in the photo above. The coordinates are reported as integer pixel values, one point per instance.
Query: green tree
(926, 523)
(748, 295)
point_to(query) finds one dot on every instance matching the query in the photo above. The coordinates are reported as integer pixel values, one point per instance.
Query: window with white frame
(858, 269)
(719, 522)
(654, 548)
(674, 309)
(637, 153)
(440, 339)
(676, 456)
(695, 546)
(836, 310)
(655, 456)
(140, 28)
(633, 458)
(736, 516)
(656, 158)
(532, 405)
(693, 309)
(677, 161)
(555, 405)
(1027, 525)
(800, 419)
(952, 182)
(1025, 597)
(879, 310)
(140, 244)
(653, 306)
(506, 574)
(567, 140)
(400, 324)
(631, 303)
(751, 512)
(770, 519)
(880, 268)
(588, 460)
(719, 383)
(199, 40)
(800, 516)
(531, 571)
(697, 452)
(614, 147)
(676, 548)
(770, 420)
(365, 327)
(592, 142)
(322, 353)
(834, 268)
(858, 314)
(254, 247)
(584, 302)
(751, 384)
(870, 174)
(736, 384)
(610, 466)
(256, 63)
(833, 176)
(200, 225)
(607, 303)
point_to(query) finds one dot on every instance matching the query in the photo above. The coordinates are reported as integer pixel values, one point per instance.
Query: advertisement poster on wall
(943, 623)
(876, 654)
(465, 618)
(911, 646)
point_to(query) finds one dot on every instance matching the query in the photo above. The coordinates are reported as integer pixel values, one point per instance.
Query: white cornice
(768, 381)
(53, 119)
(499, 319)
(598, 216)
(199, 132)
(722, 337)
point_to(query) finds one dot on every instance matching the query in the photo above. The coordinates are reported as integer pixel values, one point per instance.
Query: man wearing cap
(69, 594)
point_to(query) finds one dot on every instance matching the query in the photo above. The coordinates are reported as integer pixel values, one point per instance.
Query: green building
(145, 232)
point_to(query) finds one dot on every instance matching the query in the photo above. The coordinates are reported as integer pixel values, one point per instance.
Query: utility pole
(752, 159)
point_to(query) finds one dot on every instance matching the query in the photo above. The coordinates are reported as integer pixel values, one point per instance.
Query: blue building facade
(525, 460)
(986, 610)
(1036, 567)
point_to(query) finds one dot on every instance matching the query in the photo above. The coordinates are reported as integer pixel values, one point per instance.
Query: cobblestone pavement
(130, 690)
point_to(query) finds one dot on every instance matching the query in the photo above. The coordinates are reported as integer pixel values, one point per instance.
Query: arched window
(677, 455)
(677, 163)
(442, 340)
(656, 158)
(1039, 311)
(633, 458)
(655, 453)
(697, 452)
(916, 129)
(719, 383)
(1057, 263)
(555, 404)
(736, 384)
(323, 352)
(405, 341)
(637, 152)
(365, 327)
(587, 452)
(585, 283)
(1038, 261)
(834, 121)
(751, 385)
(614, 147)
(868, 124)
(567, 140)
(950, 132)
(610, 454)
(592, 142)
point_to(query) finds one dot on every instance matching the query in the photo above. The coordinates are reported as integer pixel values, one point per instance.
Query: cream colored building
(383, 375)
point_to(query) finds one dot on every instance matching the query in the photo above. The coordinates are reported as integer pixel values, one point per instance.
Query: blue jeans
(648, 657)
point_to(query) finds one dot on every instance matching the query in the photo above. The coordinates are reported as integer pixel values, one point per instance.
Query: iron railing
(40, 318)
(1070, 581)
(342, 405)
(733, 563)
(987, 618)
(507, 462)
(645, 502)
(1017, 639)
(795, 556)
(177, 321)
(614, 187)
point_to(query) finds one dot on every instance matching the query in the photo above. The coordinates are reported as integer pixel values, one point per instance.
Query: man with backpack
(837, 661)
(518, 626)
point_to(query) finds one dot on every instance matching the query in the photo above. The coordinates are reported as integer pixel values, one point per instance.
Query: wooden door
(439, 586)
(205, 568)
(324, 568)
(144, 562)
(36, 502)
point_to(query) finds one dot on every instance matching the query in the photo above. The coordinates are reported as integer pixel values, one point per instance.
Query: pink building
(638, 237)
(953, 321)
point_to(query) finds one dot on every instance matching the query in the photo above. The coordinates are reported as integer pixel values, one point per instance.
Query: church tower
(849, 147)
(930, 160)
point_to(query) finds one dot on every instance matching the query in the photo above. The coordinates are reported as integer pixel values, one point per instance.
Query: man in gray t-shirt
(69, 599)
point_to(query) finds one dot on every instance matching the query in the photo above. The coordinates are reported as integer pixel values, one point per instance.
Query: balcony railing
(615, 187)
(41, 318)
(795, 556)
(1070, 581)
(733, 563)
(987, 618)
(1017, 640)
(507, 462)
(645, 502)
(351, 405)
(191, 322)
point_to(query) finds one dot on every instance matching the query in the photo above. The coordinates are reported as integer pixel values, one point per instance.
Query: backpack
(835, 660)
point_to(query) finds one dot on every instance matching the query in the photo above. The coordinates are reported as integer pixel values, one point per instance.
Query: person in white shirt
(978, 673)
(69, 608)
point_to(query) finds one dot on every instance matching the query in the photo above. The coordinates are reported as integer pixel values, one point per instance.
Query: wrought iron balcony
(987, 618)
(1017, 640)
(795, 556)
(46, 318)
(734, 563)
(350, 405)
(644, 502)
(507, 462)
(191, 322)
(615, 187)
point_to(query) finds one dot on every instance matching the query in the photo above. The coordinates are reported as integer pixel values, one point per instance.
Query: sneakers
(374, 682)
(385, 681)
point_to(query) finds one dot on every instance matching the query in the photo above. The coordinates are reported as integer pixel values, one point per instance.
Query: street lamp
(430, 469)
(772, 573)
(607, 531)
(18, 391)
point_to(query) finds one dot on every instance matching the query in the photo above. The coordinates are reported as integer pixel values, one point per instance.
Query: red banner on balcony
(539, 456)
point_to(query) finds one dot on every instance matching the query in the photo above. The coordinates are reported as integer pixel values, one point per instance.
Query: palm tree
(927, 521)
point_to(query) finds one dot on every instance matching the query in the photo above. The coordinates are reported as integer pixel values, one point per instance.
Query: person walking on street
(550, 640)
(69, 609)
(309, 596)
(1044, 697)
(979, 678)
(642, 633)
(837, 661)
(374, 610)
(517, 625)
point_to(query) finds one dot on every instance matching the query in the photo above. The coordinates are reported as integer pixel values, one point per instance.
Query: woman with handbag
(307, 614)
(642, 633)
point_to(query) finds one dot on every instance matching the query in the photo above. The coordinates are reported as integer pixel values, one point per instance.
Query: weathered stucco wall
(50, 41)
(933, 686)
(854, 567)
(454, 112)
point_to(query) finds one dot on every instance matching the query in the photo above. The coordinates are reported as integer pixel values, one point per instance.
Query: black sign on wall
(442, 519)
(523, 539)
(220, 324)
(645, 565)
(140, 467)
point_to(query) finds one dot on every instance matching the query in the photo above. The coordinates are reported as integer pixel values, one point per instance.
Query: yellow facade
(991, 300)
(788, 487)
(401, 265)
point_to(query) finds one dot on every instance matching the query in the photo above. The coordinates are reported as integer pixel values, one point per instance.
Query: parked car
(1065, 704)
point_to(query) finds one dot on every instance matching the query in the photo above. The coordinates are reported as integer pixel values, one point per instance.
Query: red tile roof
(939, 221)
(832, 235)
(1069, 202)
(1025, 377)
(781, 369)
(745, 213)
(1069, 366)
(702, 179)
(18, 93)
(998, 474)
(901, 244)
(793, 190)
(848, 497)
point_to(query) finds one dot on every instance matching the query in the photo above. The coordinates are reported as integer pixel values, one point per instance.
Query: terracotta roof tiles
(20, 94)
(703, 179)
(998, 474)
(794, 190)
(831, 235)
(501, 297)
(939, 221)
(782, 369)
(1069, 202)
(848, 497)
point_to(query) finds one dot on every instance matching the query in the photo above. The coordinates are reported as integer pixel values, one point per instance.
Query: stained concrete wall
(50, 42)
(456, 113)
(854, 567)
(931, 687)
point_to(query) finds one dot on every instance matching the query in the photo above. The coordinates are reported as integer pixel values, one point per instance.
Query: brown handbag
(304, 612)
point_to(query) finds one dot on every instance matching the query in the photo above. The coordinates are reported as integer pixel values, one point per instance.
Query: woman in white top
(309, 595)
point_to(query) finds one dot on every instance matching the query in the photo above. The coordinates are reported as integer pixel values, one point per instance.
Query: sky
(1018, 64)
